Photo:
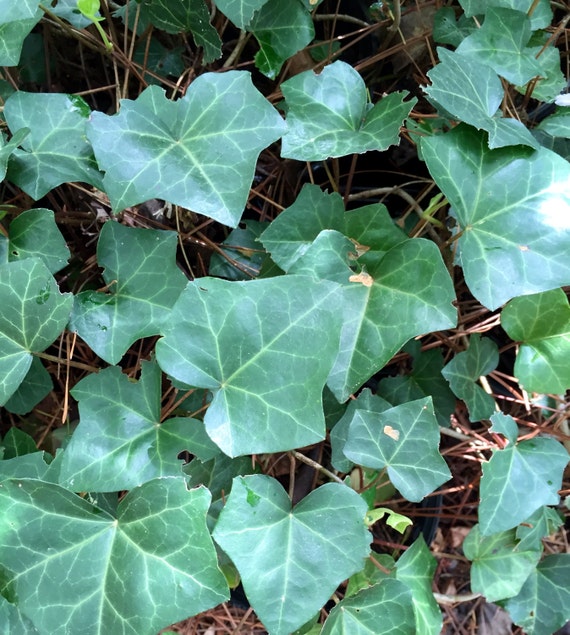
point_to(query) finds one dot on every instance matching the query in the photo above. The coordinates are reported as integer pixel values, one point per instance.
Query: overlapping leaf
(404, 439)
(6, 148)
(541, 14)
(13, 622)
(541, 323)
(89, 572)
(291, 560)
(56, 150)
(513, 209)
(33, 314)
(265, 349)
(543, 523)
(35, 386)
(143, 284)
(198, 152)
(18, 18)
(329, 115)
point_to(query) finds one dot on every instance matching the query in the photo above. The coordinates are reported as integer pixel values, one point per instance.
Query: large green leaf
(291, 560)
(18, 18)
(33, 314)
(120, 441)
(91, 573)
(143, 284)
(464, 370)
(198, 152)
(499, 568)
(541, 323)
(404, 439)
(543, 604)
(519, 479)
(329, 115)
(13, 622)
(56, 150)
(382, 609)
(513, 209)
(265, 348)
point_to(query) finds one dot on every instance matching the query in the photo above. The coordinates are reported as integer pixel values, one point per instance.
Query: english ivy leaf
(13, 622)
(198, 152)
(519, 480)
(557, 125)
(17, 443)
(120, 441)
(265, 349)
(499, 568)
(540, 18)
(464, 370)
(416, 568)
(68, 10)
(240, 12)
(552, 80)
(36, 385)
(491, 192)
(542, 523)
(181, 17)
(18, 18)
(448, 30)
(35, 465)
(34, 233)
(471, 91)
(33, 314)
(275, 548)
(541, 323)
(143, 284)
(329, 115)
(359, 614)
(543, 604)
(56, 150)
(84, 573)
(6, 148)
(241, 256)
(405, 439)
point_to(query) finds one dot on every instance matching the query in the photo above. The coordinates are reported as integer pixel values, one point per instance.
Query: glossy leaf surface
(19, 18)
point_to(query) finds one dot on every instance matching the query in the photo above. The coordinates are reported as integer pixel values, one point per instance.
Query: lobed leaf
(18, 19)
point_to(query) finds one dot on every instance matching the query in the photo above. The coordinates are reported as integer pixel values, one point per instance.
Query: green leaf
(6, 148)
(240, 12)
(143, 282)
(464, 370)
(56, 150)
(448, 30)
(13, 622)
(360, 614)
(557, 125)
(540, 19)
(544, 522)
(519, 480)
(371, 574)
(18, 18)
(405, 439)
(120, 441)
(34, 233)
(416, 568)
(275, 548)
(17, 443)
(198, 152)
(329, 115)
(182, 17)
(491, 192)
(33, 314)
(499, 568)
(471, 91)
(265, 348)
(541, 323)
(543, 604)
(88, 572)
(35, 465)
(36, 385)
(241, 256)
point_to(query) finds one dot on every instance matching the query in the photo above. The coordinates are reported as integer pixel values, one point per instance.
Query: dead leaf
(391, 432)
(364, 278)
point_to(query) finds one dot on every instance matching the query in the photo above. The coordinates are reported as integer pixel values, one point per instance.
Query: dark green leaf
(36, 385)
(241, 256)
(18, 18)
(17, 443)
(6, 148)
(543, 523)
(448, 30)
(557, 125)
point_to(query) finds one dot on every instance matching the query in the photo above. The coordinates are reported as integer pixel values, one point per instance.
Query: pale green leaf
(404, 439)
(265, 349)
(13, 622)
(143, 284)
(540, 19)
(18, 18)
(513, 209)
(88, 572)
(240, 12)
(35, 465)
(198, 152)
(276, 548)
(541, 323)
(56, 150)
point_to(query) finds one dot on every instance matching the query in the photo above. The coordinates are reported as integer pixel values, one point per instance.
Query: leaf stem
(316, 466)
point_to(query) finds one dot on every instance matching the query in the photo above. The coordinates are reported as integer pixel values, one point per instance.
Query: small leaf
(36, 385)
(240, 12)
(397, 521)
(6, 148)
(544, 522)
(18, 18)
(275, 548)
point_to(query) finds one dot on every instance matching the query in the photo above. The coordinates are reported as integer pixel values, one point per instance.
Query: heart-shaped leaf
(291, 560)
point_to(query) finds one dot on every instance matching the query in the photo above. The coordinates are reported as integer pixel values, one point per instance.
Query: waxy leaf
(56, 150)
(513, 209)
(36, 385)
(329, 115)
(120, 441)
(405, 439)
(18, 18)
(6, 148)
(543, 604)
(291, 560)
(240, 12)
(544, 522)
(519, 480)
(499, 568)
(33, 314)
(198, 152)
(89, 572)
(464, 370)
(143, 284)
(541, 323)
(265, 349)
(540, 18)
(13, 622)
